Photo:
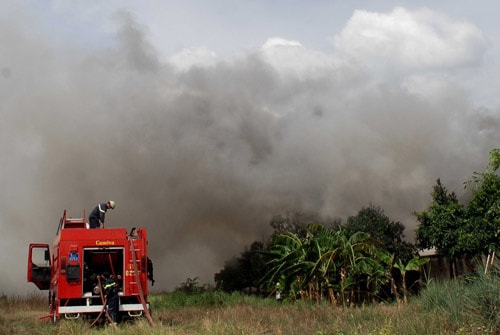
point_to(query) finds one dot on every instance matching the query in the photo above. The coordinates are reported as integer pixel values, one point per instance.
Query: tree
(481, 234)
(297, 222)
(253, 265)
(350, 252)
(288, 254)
(464, 231)
(229, 278)
(323, 260)
(389, 234)
(243, 272)
(440, 225)
(343, 261)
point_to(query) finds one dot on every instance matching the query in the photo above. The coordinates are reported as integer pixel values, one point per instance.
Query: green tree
(439, 226)
(324, 260)
(389, 234)
(342, 262)
(324, 266)
(464, 231)
(288, 262)
(349, 252)
(244, 272)
(229, 278)
(481, 234)
(297, 222)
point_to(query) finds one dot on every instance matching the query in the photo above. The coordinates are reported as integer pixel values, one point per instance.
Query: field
(443, 308)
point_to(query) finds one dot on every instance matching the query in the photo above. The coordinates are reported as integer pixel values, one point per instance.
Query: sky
(204, 119)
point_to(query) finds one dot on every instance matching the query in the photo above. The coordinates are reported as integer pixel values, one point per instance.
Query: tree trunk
(343, 276)
(395, 290)
(405, 289)
(332, 296)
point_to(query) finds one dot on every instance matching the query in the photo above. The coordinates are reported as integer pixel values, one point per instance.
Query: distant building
(440, 267)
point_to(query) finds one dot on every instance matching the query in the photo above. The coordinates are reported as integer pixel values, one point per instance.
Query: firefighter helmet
(112, 204)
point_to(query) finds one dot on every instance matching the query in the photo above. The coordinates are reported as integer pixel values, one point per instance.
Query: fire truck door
(39, 265)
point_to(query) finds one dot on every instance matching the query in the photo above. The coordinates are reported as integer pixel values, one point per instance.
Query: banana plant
(325, 259)
(288, 262)
(413, 264)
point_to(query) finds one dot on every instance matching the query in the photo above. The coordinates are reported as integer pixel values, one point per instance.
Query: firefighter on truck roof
(98, 214)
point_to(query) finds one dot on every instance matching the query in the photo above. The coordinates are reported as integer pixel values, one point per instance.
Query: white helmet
(112, 204)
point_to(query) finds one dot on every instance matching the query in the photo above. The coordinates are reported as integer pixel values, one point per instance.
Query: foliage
(413, 264)
(229, 279)
(495, 159)
(297, 222)
(483, 211)
(328, 262)
(345, 264)
(466, 231)
(442, 224)
(244, 272)
(387, 233)
(191, 286)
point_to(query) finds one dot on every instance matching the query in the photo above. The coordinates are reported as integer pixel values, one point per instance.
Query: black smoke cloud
(204, 157)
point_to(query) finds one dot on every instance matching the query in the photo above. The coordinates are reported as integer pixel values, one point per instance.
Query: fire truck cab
(72, 270)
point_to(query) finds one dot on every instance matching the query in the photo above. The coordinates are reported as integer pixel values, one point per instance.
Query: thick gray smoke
(205, 155)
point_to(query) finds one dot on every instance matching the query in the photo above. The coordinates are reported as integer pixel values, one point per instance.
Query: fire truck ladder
(138, 282)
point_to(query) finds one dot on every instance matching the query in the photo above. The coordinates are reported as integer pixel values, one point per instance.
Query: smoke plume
(203, 151)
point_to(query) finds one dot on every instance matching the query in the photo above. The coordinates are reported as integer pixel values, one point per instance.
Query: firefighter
(111, 293)
(96, 217)
(278, 293)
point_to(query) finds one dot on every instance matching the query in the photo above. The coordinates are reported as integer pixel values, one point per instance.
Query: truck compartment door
(39, 265)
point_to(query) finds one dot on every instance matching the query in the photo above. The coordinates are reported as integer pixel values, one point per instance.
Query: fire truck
(80, 256)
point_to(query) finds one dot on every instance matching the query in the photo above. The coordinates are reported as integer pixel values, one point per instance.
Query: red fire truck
(72, 272)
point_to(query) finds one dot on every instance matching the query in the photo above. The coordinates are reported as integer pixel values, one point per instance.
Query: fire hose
(104, 306)
(139, 285)
(141, 293)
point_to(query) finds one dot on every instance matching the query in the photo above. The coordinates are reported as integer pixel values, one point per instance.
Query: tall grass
(213, 298)
(451, 307)
(470, 305)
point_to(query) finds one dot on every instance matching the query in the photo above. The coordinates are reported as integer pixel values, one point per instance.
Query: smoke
(204, 151)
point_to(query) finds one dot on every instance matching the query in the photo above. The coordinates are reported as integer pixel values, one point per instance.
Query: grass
(451, 307)
(242, 318)
(471, 306)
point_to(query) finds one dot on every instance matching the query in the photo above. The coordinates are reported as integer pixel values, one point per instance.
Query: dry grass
(21, 316)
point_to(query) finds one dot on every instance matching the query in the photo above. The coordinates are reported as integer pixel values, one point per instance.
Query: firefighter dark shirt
(111, 292)
(97, 215)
